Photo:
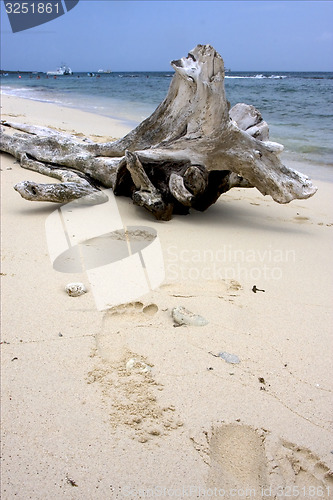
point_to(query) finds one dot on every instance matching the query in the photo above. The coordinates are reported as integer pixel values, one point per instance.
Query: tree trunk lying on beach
(186, 154)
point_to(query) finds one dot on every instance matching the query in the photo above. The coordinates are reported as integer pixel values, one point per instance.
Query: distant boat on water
(63, 70)
(105, 71)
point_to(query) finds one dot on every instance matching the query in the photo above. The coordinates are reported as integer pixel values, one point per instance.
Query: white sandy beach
(76, 423)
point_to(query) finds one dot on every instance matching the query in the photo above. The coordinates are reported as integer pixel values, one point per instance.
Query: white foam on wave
(258, 76)
(31, 96)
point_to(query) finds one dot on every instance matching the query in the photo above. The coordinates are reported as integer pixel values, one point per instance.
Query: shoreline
(63, 117)
(129, 123)
(95, 404)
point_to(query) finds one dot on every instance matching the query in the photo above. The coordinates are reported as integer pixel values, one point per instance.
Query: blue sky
(146, 35)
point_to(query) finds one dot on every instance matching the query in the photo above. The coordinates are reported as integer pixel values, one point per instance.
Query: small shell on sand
(75, 289)
(182, 316)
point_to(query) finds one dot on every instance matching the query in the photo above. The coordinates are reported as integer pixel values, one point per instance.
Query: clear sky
(146, 35)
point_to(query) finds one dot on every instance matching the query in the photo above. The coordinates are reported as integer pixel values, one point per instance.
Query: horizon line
(170, 71)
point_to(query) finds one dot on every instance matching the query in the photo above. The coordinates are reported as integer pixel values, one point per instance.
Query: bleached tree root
(185, 155)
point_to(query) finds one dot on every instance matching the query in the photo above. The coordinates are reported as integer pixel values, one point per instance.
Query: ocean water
(297, 106)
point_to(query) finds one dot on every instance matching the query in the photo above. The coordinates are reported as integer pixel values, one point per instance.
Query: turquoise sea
(297, 106)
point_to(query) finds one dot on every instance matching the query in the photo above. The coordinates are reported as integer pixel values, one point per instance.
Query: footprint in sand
(246, 462)
(128, 388)
(237, 460)
(300, 467)
(117, 323)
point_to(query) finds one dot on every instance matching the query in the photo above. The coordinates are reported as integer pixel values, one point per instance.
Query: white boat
(63, 70)
(106, 71)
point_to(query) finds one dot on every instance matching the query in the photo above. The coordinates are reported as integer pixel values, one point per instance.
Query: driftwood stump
(186, 154)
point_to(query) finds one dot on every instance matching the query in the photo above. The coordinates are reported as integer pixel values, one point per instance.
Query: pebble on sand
(182, 316)
(229, 358)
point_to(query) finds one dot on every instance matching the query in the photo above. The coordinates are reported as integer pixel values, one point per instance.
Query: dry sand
(79, 422)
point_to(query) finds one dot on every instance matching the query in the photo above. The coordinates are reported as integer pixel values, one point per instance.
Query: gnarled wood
(186, 154)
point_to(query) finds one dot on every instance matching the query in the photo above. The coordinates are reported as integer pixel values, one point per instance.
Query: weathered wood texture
(186, 154)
